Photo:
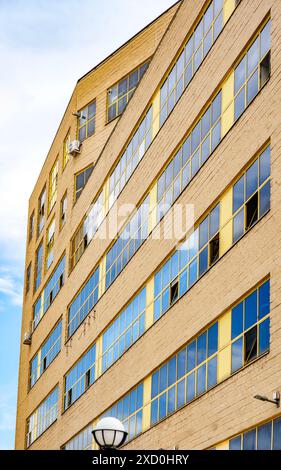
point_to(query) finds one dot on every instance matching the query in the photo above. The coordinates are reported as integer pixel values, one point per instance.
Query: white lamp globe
(109, 433)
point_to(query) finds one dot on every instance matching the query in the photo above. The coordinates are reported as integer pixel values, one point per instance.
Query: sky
(45, 46)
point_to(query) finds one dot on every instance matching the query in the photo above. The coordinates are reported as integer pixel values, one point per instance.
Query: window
(128, 242)
(87, 230)
(253, 71)
(250, 327)
(120, 94)
(267, 436)
(82, 441)
(80, 377)
(124, 331)
(41, 211)
(38, 266)
(131, 157)
(81, 179)
(129, 411)
(190, 59)
(251, 195)
(31, 226)
(63, 210)
(53, 185)
(50, 244)
(28, 278)
(196, 149)
(87, 121)
(83, 303)
(188, 374)
(47, 353)
(42, 418)
(49, 293)
(192, 259)
(65, 151)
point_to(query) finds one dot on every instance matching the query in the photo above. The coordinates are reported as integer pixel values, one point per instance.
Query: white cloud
(11, 289)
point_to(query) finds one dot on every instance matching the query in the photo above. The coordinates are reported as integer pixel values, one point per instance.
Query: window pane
(238, 194)
(264, 165)
(196, 137)
(163, 406)
(154, 412)
(277, 434)
(214, 221)
(181, 394)
(250, 440)
(204, 232)
(265, 199)
(201, 380)
(206, 122)
(264, 299)
(252, 87)
(201, 348)
(205, 150)
(264, 436)
(235, 443)
(238, 226)
(172, 367)
(240, 103)
(251, 345)
(216, 135)
(265, 39)
(155, 384)
(237, 355)
(181, 363)
(237, 321)
(252, 179)
(195, 164)
(240, 75)
(264, 336)
(212, 372)
(191, 356)
(251, 310)
(193, 272)
(163, 378)
(171, 400)
(190, 384)
(253, 57)
(203, 261)
(216, 108)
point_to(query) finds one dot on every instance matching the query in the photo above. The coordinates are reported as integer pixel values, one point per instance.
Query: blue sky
(45, 46)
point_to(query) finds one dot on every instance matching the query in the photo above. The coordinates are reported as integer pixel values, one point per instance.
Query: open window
(265, 69)
(69, 397)
(87, 379)
(174, 292)
(44, 363)
(214, 249)
(61, 281)
(51, 296)
(252, 211)
(85, 241)
(250, 351)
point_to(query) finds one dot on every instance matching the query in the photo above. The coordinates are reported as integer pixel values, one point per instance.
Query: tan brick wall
(229, 407)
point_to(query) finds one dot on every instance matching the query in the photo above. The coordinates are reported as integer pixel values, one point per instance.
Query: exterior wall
(243, 266)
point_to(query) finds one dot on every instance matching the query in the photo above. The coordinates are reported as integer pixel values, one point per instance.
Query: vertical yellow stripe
(98, 368)
(149, 303)
(152, 208)
(146, 415)
(226, 222)
(106, 197)
(102, 276)
(224, 355)
(155, 114)
(227, 104)
(228, 9)
(38, 362)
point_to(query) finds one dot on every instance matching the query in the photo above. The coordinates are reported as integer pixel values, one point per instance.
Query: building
(173, 337)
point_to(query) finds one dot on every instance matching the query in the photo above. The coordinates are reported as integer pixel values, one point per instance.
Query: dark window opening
(45, 363)
(252, 211)
(88, 379)
(51, 296)
(69, 397)
(174, 292)
(250, 345)
(265, 67)
(61, 281)
(214, 249)
(85, 241)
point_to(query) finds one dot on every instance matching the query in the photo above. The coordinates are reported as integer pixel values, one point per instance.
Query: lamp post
(109, 433)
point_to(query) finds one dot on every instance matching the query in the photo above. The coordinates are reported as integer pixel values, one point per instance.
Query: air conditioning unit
(74, 147)
(27, 338)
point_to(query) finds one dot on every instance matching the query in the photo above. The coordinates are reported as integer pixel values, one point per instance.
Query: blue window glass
(251, 310)
(240, 75)
(201, 348)
(253, 87)
(235, 443)
(238, 226)
(264, 299)
(154, 411)
(157, 309)
(212, 372)
(172, 370)
(216, 108)
(157, 283)
(171, 400)
(201, 380)
(193, 243)
(205, 153)
(240, 103)
(206, 122)
(264, 436)
(181, 363)
(196, 137)
(190, 387)
(213, 339)
(253, 57)
(252, 179)
(204, 232)
(195, 164)
(214, 221)
(265, 199)
(166, 274)
(163, 378)
(165, 300)
(181, 394)
(265, 39)
(237, 355)
(277, 434)
(191, 356)
(183, 283)
(238, 194)
(237, 320)
(264, 336)
(183, 251)
(216, 135)
(264, 165)
(203, 261)
(193, 272)
(163, 406)
(155, 384)
(175, 265)
(250, 440)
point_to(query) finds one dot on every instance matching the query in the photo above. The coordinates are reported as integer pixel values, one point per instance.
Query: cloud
(12, 289)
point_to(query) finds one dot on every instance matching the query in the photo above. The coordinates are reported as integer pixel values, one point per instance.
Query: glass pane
(251, 310)
(191, 356)
(204, 232)
(155, 384)
(265, 199)
(193, 272)
(235, 443)
(237, 355)
(163, 378)
(201, 380)
(172, 400)
(238, 226)
(216, 108)
(205, 150)
(206, 122)
(201, 348)
(203, 261)
(216, 135)
(163, 406)
(265, 39)
(251, 345)
(190, 385)
(214, 221)
(208, 18)
(250, 440)
(253, 57)
(264, 336)
(196, 137)
(238, 194)
(264, 299)
(181, 363)
(277, 434)
(237, 320)
(212, 372)
(212, 339)
(252, 87)
(154, 412)
(195, 164)
(218, 26)
(264, 436)
(240, 75)
(198, 35)
(264, 165)
(172, 367)
(181, 394)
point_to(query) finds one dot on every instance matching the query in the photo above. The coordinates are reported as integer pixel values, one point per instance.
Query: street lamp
(109, 433)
